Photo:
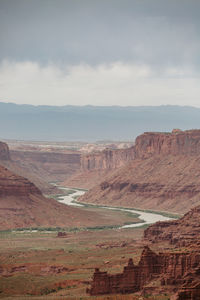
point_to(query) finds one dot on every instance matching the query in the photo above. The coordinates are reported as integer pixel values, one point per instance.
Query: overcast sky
(100, 52)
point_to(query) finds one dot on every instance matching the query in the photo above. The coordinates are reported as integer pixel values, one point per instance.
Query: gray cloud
(104, 84)
(100, 31)
(104, 52)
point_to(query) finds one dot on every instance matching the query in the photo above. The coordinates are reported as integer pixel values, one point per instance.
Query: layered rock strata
(108, 159)
(53, 166)
(182, 232)
(170, 268)
(164, 175)
(96, 165)
(175, 143)
(22, 205)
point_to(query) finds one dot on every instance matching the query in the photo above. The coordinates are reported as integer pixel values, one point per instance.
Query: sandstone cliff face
(107, 159)
(163, 176)
(4, 151)
(176, 143)
(97, 165)
(180, 233)
(170, 268)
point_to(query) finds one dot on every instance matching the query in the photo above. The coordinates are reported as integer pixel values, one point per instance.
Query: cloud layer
(105, 84)
(100, 52)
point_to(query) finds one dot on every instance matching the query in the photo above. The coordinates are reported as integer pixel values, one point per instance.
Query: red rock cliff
(176, 143)
(164, 175)
(97, 165)
(107, 159)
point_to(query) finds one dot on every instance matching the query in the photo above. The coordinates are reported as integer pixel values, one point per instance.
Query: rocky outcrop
(12, 185)
(175, 143)
(4, 151)
(182, 232)
(170, 268)
(164, 175)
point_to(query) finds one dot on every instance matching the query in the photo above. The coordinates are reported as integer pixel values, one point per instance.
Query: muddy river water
(145, 217)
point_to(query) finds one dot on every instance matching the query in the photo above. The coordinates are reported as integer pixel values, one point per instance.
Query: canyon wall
(164, 175)
(108, 159)
(96, 165)
(175, 143)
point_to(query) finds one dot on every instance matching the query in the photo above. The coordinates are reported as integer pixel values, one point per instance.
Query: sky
(100, 52)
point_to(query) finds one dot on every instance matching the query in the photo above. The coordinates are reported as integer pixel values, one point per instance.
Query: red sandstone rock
(22, 205)
(181, 232)
(163, 176)
(95, 166)
(172, 269)
(107, 159)
(175, 143)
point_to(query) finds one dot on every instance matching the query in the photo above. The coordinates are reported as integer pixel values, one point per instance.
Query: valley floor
(39, 265)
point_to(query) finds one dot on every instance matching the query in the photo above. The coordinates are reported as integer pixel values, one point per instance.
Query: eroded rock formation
(182, 232)
(164, 175)
(170, 268)
(108, 159)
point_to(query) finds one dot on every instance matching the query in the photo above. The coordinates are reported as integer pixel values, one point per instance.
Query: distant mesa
(176, 130)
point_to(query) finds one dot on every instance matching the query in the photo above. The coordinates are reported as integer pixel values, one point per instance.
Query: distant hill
(91, 123)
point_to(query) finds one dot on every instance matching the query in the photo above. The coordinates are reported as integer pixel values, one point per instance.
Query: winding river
(145, 217)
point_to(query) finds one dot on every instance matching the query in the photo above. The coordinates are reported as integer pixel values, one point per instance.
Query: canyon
(160, 172)
(22, 205)
(163, 175)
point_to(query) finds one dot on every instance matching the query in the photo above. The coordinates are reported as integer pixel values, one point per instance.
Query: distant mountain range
(91, 123)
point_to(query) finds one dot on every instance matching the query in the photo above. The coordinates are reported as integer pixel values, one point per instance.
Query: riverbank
(146, 218)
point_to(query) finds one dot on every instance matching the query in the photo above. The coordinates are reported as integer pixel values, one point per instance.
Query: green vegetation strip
(162, 213)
